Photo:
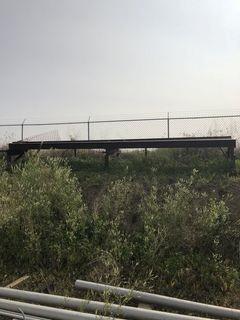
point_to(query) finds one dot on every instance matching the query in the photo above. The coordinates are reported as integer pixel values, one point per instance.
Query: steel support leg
(107, 160)
(231, 157)
(9, 159)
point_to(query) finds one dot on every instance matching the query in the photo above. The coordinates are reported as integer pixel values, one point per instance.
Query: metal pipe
(119, 120)
(22, 126)
(47, 312)
(168, 126)
(88, 128)
(14, 315)
(93, 121)
(11, 125)
(164, 301)
(91, 306)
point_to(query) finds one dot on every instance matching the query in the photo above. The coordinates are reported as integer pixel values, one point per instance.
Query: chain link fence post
(88, 128)
(22, 128)
(168, 126)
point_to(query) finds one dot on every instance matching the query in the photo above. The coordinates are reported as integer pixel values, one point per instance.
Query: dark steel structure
(16, 149)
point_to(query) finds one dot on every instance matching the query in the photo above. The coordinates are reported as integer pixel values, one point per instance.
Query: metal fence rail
(135, 128)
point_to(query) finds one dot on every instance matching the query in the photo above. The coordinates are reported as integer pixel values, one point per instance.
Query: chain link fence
(164, 127)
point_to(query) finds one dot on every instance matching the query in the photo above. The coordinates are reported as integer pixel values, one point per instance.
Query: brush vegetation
(168, 223)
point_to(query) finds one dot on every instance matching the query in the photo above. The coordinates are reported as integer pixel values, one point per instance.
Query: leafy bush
(154, 239)
(42, 215)
(116, 223)
(181, 240)
(135, 225)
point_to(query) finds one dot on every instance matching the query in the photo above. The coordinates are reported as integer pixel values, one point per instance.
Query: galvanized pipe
(47, 312)
(91, 306)
(164, 301)
(15, 316)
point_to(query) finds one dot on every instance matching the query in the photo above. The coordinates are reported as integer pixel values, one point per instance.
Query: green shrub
(116, 220)
(152, 239)
(136, 225)
(42, 215)
(181, 237)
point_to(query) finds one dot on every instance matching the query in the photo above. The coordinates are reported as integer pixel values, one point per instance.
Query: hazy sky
(67, 59)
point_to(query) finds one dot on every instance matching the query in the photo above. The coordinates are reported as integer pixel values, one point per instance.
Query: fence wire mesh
(164, 127)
